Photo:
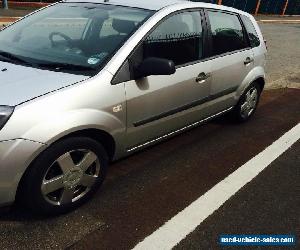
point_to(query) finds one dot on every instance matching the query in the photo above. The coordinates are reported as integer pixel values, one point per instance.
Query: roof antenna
(105, 1)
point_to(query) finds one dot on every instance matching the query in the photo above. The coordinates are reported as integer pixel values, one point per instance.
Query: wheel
(65, 176)
(248, 102)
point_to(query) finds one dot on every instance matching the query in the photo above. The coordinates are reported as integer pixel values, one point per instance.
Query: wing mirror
(155, 66)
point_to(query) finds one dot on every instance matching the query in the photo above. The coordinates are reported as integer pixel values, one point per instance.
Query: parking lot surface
(268, 205)
(283, 66)
(147, 189)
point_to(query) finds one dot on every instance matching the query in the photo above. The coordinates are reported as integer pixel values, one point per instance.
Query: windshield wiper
(13, 58)
(65, 66)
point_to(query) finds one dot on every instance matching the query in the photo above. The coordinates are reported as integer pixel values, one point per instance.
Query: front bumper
(15, 157)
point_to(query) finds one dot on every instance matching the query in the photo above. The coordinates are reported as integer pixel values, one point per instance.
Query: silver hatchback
(84, 83)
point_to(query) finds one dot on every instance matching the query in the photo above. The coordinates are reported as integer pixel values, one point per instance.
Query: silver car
(84, 83)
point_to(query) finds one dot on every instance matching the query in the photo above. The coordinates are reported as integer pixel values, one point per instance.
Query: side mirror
(155, 66)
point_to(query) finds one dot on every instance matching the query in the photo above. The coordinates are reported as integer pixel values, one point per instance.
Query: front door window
(178, 38)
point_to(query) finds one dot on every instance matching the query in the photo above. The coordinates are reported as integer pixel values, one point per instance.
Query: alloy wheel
(70, 177)
(250, 103)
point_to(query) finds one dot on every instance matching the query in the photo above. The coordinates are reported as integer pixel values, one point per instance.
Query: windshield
(73, 37)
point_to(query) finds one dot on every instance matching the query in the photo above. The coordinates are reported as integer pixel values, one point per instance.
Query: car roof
(157, 5)
(143, 4)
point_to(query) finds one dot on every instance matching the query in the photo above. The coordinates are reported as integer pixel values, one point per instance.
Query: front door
(157, 105)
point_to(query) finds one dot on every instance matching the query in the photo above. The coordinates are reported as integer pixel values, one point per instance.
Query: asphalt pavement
(283, 63)
(169, 177)
(147, 189)
(268, 205)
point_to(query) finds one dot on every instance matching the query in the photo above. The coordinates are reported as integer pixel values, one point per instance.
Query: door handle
(202, 77)
(248, 60)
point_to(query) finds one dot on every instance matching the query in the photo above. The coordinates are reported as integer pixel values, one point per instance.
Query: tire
(64, 176)
(248, 103)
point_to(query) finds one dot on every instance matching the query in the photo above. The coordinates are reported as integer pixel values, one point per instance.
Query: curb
(26, 4)
(290, 81)
(279, 21)
(8, 19)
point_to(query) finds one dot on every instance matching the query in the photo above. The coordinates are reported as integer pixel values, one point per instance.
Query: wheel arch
(255, 75)
(261, 82)
(101, 136)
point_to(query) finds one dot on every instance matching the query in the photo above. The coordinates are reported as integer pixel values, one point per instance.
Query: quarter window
(179, 38)
(253, 37)
(227, 32)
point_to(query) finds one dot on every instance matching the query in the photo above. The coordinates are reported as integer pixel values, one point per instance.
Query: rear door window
(253, 36)
(227, 33)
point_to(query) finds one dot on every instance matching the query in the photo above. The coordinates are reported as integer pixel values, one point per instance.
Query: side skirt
(153, 141)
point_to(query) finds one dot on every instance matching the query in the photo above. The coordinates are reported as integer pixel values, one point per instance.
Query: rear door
(231, 54)
(157, 105)
(256, 41)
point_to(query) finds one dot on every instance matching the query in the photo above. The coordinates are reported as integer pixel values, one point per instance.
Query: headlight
(5, 113)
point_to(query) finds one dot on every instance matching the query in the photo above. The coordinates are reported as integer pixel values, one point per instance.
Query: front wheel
(65, 176)
(248, 103)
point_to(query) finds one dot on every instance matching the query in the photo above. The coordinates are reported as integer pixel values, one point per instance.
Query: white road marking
(185, 222)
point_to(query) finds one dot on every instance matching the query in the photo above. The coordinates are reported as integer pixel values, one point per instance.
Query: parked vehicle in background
(84, 83)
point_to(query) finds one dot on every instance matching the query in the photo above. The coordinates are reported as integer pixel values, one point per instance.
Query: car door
(157, 105)
(231, 54)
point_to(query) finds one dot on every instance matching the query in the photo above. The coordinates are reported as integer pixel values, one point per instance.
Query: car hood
(19, 83)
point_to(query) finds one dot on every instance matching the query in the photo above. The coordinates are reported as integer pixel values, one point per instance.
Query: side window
(253, 37)
(178, 38)
(227, 32)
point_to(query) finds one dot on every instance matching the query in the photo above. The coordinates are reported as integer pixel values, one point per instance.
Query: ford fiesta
(84, 83)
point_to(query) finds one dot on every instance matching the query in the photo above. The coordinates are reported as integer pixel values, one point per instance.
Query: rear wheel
(65, 175)
(248, 103)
